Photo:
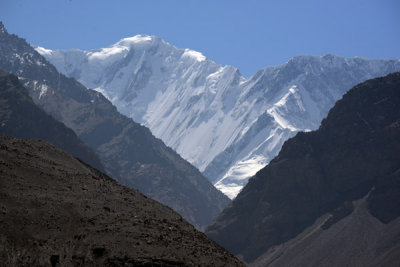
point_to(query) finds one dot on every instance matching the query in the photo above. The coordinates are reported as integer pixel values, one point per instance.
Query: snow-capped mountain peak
(140, 38)
(226, 125)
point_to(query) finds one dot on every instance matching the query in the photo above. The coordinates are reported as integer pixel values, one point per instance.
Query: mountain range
(128, 151)
(226, 125)
(331, 197)
(328, 195)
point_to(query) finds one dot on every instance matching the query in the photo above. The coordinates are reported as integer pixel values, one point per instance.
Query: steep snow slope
(225, 124)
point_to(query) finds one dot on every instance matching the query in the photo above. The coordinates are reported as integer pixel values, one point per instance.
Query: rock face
(354, 155)
(21, 118)
(226, 125)
(58, 211)
(129, 152)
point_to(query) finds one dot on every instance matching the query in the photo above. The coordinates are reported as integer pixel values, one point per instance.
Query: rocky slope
(129, 152)
(354, 156)
(58, 211)
(225, 124)
(21, 118)
(360, 239)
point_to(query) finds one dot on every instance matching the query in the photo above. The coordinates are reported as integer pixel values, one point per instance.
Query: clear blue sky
(248, 34)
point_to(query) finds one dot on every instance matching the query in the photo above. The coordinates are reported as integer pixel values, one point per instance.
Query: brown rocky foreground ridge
(57, 211)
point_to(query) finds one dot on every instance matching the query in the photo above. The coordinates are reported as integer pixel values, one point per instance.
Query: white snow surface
(226, 125)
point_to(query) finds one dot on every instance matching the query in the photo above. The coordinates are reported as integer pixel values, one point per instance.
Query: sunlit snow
(43, 90)
(227, 125)
(43, 51)
(237, 175)
(105, 53)
(194, 54)
(135, 39)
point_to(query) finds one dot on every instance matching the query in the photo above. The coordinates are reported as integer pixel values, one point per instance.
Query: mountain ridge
(353, 156)
(59, 211)
(21, 118)
(210, 114)
(129, 151)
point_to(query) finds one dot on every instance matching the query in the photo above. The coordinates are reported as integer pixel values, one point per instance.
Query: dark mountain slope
(58, 211)
(129, 152)
(355, 153)
(21, 118)
(358, 240)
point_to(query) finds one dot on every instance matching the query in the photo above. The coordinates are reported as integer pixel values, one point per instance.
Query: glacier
(227, 125)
